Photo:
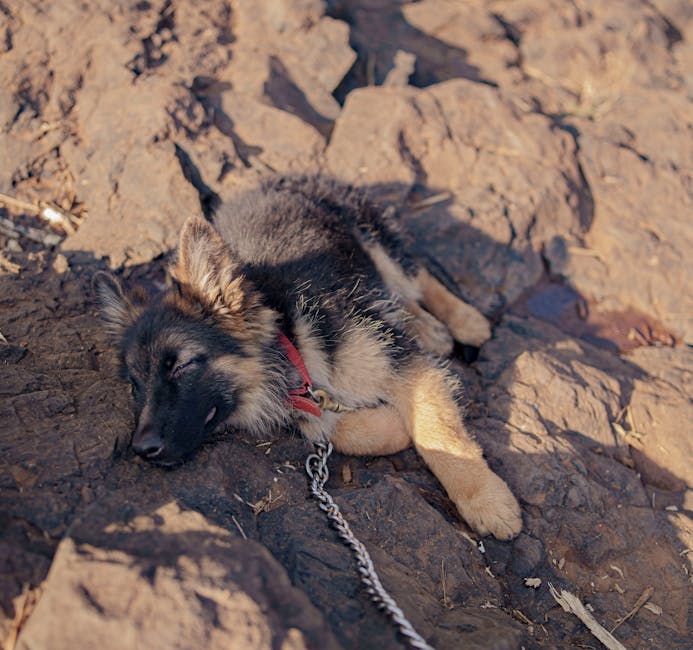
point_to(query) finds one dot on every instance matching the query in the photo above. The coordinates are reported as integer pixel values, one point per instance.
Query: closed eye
(181, 368)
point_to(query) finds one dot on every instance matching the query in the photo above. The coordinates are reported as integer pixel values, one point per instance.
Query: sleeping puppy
(300, 306)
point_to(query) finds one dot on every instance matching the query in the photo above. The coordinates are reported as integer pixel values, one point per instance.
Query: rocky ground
(541, 153)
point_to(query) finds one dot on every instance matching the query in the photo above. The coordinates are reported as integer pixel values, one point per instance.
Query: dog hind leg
(447, 315)
(430, 334)
(431, 416)
(466, 323)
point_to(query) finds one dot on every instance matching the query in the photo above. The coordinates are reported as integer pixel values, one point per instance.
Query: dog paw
(492, 509)
(468, 325)
(431, 335)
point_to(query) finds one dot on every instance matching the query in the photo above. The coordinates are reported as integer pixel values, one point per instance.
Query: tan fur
(371, 432)
(355, 379)
(431, 335)
(118, 308)
(313, 356)
(208, 280)
(423, 409)
(426, 404)
(466, 324)
(362, 367)
(398, 282)
(206, 275)
(144, 419)
(459, 320)
(259, 409)
(185, 346)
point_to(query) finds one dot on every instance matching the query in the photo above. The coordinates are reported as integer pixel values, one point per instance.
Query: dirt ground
(538, 150)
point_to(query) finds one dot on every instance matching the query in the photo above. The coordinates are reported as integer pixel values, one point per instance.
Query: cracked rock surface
(539, 153)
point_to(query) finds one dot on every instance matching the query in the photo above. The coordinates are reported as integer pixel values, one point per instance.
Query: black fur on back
(301, 240)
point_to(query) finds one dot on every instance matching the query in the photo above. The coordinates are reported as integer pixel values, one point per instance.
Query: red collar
(299, 398)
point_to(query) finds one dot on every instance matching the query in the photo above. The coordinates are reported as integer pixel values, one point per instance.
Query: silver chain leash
(316, 468)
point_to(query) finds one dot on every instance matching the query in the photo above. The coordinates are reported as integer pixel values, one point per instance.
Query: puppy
(300, 306)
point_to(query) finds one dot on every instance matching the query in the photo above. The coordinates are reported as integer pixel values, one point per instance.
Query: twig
(266, 503)
(23, 608)
(370, 69)
(55, 215)
(442, 580)
(430, 200)
(586, 252)
(571, 604)
(49, 212)
(633, 438)
(8, 265)
(521, 617)
(644, 597)
(11, 202)
(240, 528)
(403, 68)
(631, 420)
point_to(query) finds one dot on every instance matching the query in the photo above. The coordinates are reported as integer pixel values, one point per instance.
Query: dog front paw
(492, 509)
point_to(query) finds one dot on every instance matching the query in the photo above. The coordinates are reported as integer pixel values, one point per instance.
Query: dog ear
(117, 309)
(206, 271)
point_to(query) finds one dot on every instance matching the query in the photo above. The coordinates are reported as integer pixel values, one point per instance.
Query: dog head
(196, 355)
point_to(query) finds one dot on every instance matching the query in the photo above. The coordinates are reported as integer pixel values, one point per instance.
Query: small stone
(60, 264)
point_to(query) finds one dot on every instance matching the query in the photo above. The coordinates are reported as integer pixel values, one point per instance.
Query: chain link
(316, 468)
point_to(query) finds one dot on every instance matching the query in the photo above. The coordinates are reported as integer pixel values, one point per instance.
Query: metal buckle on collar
(305, 398)
(325, 402)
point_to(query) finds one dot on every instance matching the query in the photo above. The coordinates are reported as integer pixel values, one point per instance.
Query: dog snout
(147, 443)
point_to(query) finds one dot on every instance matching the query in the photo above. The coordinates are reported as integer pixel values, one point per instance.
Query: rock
(659, 405)
(582, 60)
(116, 166)
(471, 28)
(298, 67)
(548, 429)
(404, 64)
(121, 151)
(170, 579)
(637, 190)
(11, 354)
(468, 140)
(421, 559)
(380, 29)
(14, 150)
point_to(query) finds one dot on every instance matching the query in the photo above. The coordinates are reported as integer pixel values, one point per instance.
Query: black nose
(147, 444)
